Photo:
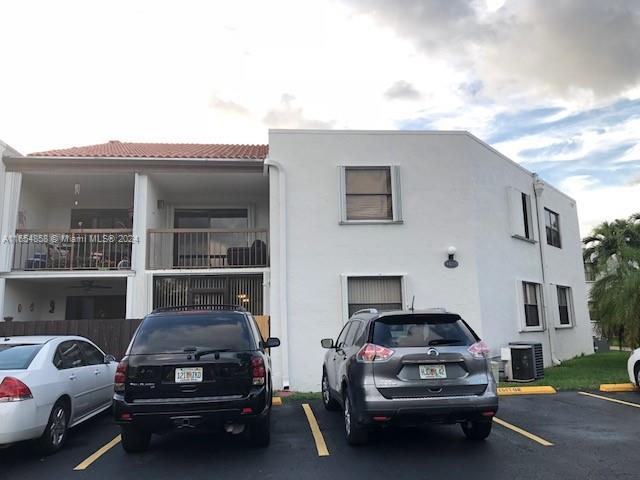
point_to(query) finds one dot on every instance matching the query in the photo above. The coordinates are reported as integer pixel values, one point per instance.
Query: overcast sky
(553, 85)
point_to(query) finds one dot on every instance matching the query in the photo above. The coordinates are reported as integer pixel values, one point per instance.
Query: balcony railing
(73, 249)
(177, 248)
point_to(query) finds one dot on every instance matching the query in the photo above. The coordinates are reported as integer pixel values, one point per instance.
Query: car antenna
(413, 301)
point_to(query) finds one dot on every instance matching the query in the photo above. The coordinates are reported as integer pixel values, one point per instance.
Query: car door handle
(72, 376)
(97, 372)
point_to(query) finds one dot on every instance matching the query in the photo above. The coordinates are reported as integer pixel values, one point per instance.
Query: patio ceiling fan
(88, 285)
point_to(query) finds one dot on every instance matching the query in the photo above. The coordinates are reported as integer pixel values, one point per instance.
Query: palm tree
(613, 249)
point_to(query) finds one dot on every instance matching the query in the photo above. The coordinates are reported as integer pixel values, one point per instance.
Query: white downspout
(282, 277)
(538, 188)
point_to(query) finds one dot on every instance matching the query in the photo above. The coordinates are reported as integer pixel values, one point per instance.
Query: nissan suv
(408, 368)
(195, 366)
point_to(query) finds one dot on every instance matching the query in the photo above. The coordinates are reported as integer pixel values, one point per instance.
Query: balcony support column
(10, 206)
(137, 294)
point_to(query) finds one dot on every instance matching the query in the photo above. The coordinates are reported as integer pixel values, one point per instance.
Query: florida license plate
(432, 372)
(188, 375)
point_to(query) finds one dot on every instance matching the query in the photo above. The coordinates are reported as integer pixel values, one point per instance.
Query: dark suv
(188, 367)
(409, 367)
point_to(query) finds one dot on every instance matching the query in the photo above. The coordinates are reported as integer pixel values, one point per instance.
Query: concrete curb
(542, 390)
(618, 387)
(276, 401)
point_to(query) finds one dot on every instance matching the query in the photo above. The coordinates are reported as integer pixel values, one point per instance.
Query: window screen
(368, 193)
(381, 293)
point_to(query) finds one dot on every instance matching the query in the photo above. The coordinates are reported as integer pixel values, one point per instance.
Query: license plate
(188, 375)
(431, 372)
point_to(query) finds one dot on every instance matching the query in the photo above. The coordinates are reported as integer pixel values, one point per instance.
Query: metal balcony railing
(72, 249)
(177, 248)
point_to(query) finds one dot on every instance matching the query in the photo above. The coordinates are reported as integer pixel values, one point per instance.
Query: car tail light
(371, 352)
(258, 372)
(121, 376)
(479, 349)
(13, 390)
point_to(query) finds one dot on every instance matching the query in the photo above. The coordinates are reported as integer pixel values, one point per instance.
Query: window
(172, 334)
(352, 333)
(92, 356)
(422, 331)
(589, 271)
(552, 223)
(526, 214)
(17, 356)
(340, 341)
(381, 293)
(100, 218)
(68, 355)
(370, 194)
(564, 306)
(531, 295)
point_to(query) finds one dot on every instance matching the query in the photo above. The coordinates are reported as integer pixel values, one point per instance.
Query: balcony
(72, 249)
(192, 248)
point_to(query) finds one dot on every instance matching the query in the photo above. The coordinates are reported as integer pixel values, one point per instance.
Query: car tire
(637, 370)
(55, 432)
(356, 433)
(135, 440)
(476, 430)
(329, 403)
(260, 432)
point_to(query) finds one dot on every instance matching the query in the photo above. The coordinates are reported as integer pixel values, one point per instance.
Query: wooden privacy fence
(112, 336)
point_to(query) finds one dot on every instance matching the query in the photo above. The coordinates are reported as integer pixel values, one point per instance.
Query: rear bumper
(18, 421)
(159, 415)
(370, 403)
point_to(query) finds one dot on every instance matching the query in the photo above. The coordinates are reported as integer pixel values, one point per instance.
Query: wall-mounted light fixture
(451, 262)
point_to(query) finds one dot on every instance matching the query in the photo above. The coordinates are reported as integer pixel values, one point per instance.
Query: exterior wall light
(451, 262)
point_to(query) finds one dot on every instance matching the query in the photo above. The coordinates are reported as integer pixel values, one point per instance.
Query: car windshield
(175, 333)
(422, 331)
(17, 356)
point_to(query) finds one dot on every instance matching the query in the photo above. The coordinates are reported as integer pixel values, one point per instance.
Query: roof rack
(184, 308)
(366, 310)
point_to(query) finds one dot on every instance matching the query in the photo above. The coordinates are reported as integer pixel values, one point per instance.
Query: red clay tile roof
(116, 148)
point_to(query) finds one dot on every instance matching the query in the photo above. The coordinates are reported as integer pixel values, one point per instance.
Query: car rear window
(17, 356)
(174, 333)
(422, 331)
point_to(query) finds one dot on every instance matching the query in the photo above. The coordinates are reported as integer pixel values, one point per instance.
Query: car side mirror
(326, 342)
(272, 342)
(109, 359)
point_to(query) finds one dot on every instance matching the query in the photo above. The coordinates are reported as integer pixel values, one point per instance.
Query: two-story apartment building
(307, 230)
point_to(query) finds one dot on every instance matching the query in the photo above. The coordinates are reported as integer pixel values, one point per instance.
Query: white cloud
(598, 203)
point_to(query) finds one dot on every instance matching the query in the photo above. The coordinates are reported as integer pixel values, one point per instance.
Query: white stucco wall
(454, 193)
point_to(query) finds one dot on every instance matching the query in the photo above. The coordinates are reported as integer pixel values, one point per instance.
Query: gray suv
(408, 368)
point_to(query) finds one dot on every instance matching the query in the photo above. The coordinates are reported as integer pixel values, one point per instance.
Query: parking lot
(567, 435)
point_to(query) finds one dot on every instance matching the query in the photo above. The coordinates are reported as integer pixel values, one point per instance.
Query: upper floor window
(522, 224)
(552, 224)
(370, 194)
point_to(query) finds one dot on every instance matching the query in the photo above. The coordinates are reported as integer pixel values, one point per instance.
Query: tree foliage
(613, 248)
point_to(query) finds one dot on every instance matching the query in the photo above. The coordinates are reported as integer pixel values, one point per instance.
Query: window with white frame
(532, 303)
(565, 310)
(381, 293)
(370, 194)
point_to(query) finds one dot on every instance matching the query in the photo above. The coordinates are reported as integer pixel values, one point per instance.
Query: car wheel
(328, 402)
(638, 375)
(134, 439)
(55, 433)
(476, 430)
(260, 431)
(356, 433)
